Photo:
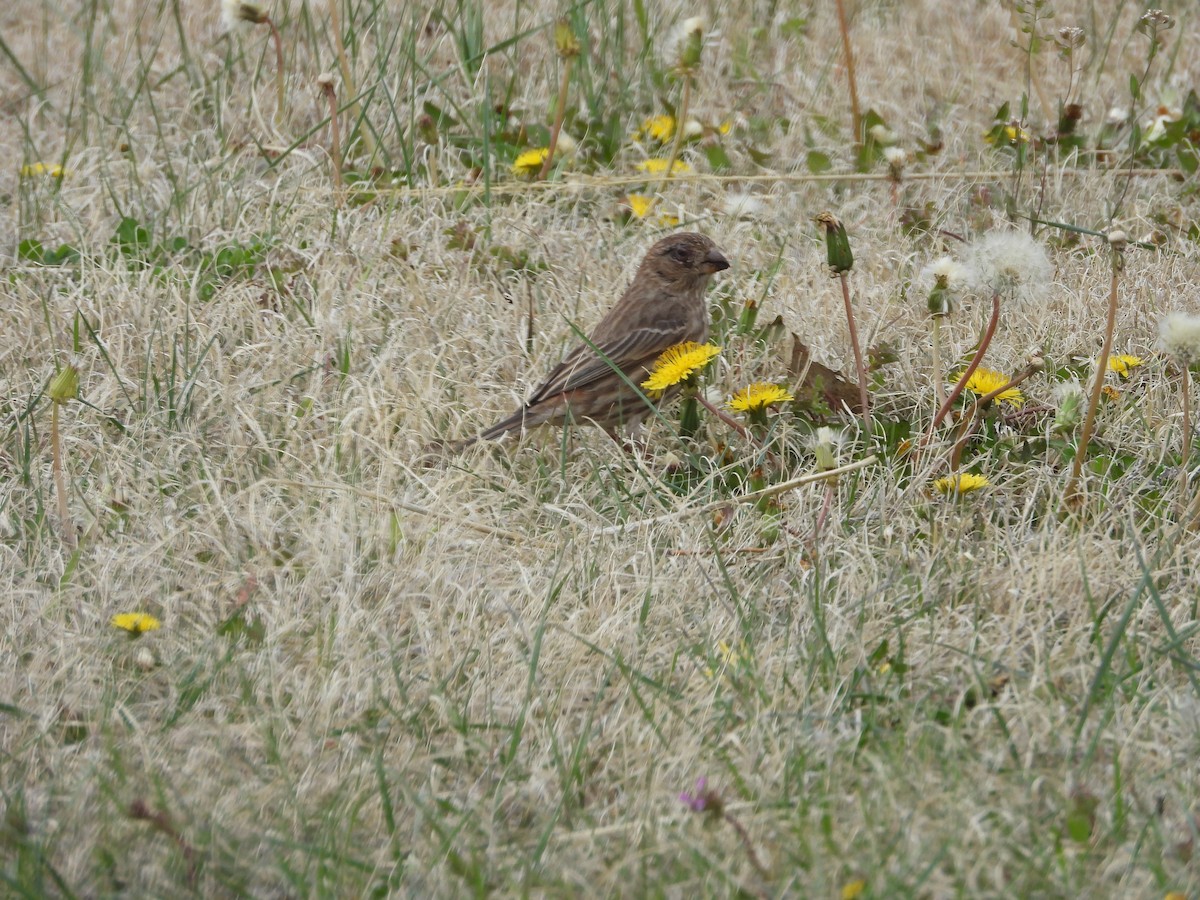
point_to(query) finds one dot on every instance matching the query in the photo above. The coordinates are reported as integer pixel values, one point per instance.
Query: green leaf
(818, 162)
(131, 238)
(1079, 826)
(31, 250)
(718, 159)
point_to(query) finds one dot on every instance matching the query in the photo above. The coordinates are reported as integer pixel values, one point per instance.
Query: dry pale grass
(467, 681)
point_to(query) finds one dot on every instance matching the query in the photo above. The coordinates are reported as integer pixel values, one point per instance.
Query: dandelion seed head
(1179, 337)
(1010, 263)
(236, 14)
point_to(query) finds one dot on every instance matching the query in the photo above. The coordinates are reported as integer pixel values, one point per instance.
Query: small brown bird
(663, 306)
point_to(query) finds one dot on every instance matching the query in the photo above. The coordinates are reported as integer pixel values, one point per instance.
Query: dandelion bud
(940, 302)
(825, 448)
(1069, 395)
(64, 387)
(427, 129)
(690, 45)
(837, 243)
(881, 135)
(566, 44)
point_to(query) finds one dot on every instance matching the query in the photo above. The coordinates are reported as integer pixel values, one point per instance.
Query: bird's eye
(679, 254)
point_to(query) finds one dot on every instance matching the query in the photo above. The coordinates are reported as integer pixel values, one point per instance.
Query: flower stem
(277, 39)
(1185, 451)
(335, 28)
(680, 124)
(939, 385)
(1085, 435)
(60, 481)
(984, 341)
(560, 113)
(844, 27)
(858, 357)
(335, 142)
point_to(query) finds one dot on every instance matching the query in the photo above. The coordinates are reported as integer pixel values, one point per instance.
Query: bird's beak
(714, 262)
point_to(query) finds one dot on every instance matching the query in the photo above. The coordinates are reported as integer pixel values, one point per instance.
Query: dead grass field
(496, 675)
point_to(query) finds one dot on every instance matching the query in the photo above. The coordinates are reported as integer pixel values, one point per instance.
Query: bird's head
(685, 259)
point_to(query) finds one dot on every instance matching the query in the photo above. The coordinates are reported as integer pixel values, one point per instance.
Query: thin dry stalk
(844, 28)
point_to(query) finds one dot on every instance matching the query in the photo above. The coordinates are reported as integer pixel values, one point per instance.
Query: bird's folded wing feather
(585, 365)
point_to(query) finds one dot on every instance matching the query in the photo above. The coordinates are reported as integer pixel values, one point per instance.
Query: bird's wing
(584, 366)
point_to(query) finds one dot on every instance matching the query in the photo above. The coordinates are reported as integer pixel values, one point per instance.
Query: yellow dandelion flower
(758, 396)
(960, 484)
(984, 381)
(37, 170)
(136, 623)
(730, 657)
(1122, 363)
(677, 363)
(852, 890)
(657, 128)
(725, 127)
(641, 206)
(656, 166)
(530, 162)
(1110, 392)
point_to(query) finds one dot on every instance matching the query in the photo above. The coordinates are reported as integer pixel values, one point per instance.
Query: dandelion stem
(984, 341)
(60, 481)
(277, 39)
(560, 113)
(1089, 419)
(335, 28)
(335, 142)
(727, 419)
(680, 123)
(939, 385)
(1185, 451)
(864, 399)
(750, 854)
(844, 27)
